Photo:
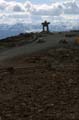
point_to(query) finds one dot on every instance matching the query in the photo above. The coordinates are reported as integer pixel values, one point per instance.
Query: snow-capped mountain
(19, 17)
(15, 29)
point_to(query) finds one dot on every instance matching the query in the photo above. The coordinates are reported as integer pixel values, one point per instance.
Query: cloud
(16, 7)
(54, 9)
(3, 5)
(49, 10)
(11, 6)
(36, 12)
(29, 6)
(71, 8)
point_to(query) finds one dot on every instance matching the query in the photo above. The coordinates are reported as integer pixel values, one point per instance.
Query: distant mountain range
(11, 30)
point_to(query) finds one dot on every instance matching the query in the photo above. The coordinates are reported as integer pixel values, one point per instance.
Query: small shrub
(77, 41)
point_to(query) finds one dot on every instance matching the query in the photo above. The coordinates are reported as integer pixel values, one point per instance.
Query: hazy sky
(44, 1)
(18, 11)
(38, 1)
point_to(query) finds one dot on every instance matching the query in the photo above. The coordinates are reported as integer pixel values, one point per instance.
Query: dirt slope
(44, 86)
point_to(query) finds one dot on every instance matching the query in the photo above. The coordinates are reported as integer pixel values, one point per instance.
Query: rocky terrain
(42, 86)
